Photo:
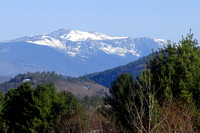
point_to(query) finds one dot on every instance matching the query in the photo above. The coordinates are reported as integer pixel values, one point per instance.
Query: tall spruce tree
(120, 93)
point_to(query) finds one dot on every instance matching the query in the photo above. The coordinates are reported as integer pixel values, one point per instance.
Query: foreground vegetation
(164, 98)
(40, 109)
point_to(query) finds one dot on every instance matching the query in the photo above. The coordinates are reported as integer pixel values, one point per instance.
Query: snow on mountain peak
(75, 35)
(84, 44)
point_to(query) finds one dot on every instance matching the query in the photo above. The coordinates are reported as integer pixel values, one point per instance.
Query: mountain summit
(72, 52)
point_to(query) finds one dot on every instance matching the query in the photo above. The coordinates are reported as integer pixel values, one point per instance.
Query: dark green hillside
(107, 77)
(79, 87)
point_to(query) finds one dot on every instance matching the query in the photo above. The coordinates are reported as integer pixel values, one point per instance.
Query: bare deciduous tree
(142, 106)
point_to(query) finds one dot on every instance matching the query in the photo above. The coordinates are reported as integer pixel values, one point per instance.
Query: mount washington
(72, 52)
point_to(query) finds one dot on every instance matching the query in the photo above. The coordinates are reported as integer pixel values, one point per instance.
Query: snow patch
(117, 50)
(161, 42)
(50, 41)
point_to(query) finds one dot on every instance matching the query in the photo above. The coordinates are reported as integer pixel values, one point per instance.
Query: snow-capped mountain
(73, 52)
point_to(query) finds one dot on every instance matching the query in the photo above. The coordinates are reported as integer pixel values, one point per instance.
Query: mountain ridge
(59, 38)
(59, 51)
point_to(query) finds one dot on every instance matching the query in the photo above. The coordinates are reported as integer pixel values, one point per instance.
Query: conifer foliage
(176, 68)
(41, 109)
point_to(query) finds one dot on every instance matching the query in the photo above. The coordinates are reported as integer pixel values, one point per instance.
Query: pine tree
(176, 68)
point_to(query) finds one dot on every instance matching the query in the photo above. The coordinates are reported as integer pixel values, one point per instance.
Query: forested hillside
(107, 77)
(79, 87)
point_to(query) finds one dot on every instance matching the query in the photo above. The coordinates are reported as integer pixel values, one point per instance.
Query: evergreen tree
(176, 70)
(119, 97)
(2, 105)
(17, 102)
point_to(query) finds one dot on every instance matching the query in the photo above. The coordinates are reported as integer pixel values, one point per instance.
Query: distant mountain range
(72, 52)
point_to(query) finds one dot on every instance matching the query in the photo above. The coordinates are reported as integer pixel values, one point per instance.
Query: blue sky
(167, 19)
